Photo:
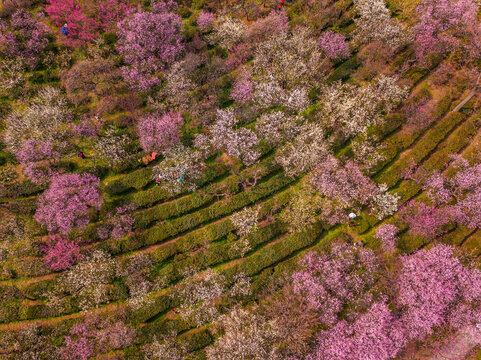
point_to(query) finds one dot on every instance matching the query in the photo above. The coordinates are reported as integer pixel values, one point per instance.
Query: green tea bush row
(422, 149)
(176, 226)
(183, 205)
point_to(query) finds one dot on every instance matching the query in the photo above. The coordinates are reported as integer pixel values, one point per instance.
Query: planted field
(197, 180)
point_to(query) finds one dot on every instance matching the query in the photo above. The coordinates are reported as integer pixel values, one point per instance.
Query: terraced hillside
(166, 167)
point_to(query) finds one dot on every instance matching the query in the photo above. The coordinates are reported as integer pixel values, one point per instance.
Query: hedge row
(135, 180)
(19, 310)
(184, 244)
(164, 211)
(402, 140)
(472, 245)
(140, 178)
(216, 254)
(214, 232)
(19, 189)
(421, 150)
(251, 265)
(457, 141)
(177, 226)
(149, 197)
(161, 212)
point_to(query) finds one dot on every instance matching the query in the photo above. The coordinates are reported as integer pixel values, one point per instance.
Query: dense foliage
(262, 180)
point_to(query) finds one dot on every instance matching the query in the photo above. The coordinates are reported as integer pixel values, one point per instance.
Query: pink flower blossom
(334, 45)
(160, 132)
(67, 201)
(387, 234)
(205, 20)
(433, 286)
(60, 253)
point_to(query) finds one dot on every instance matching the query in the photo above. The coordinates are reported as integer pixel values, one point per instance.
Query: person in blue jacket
(65, 30)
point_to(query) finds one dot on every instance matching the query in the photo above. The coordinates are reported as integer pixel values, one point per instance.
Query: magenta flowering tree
(375, 334)
(149, 41)
(424, 220)
(435, 289)
(331, 281)
(447, 25)
(60, 253)
(109, 12)
(24, 39)
(81, 29)
(159, 132)
(455, 198)
(32, 150)
(122, 221)
(77, 345)
(238, 55)
(387, 234)
(85, 19)
(334, 45)
(67, 201)
(37, 158)
(263, 28)
(205, 20)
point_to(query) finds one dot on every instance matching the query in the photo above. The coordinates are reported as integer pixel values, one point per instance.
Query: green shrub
(391, 123)
(344, 70)
(159, 304)
(110, 38)
(128, 164)
(472, 245)
(134, 180)
(21, 189)
(29, 267)
(195, 339)
(7, 175)
(197, 4)
(22, 206)
(8, 311)
(97, 170)
(442, 106)
(416, 73)
(422, 149)
(189, 30)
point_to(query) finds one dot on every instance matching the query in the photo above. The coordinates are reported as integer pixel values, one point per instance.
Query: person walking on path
(65, 29)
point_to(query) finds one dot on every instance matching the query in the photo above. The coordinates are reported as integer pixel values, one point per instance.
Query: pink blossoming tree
(433, 286)
(205, 20)
(85, 19)
(60, 252)
(149, 42)
(447, 25)
(77, 345)
(423, 219)
(387, 234)
(334, 45)
(81, 29)
(159, 132)
(375, 334)
(67, 202)
(331, 281)
(24, 38)
(242, 89)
